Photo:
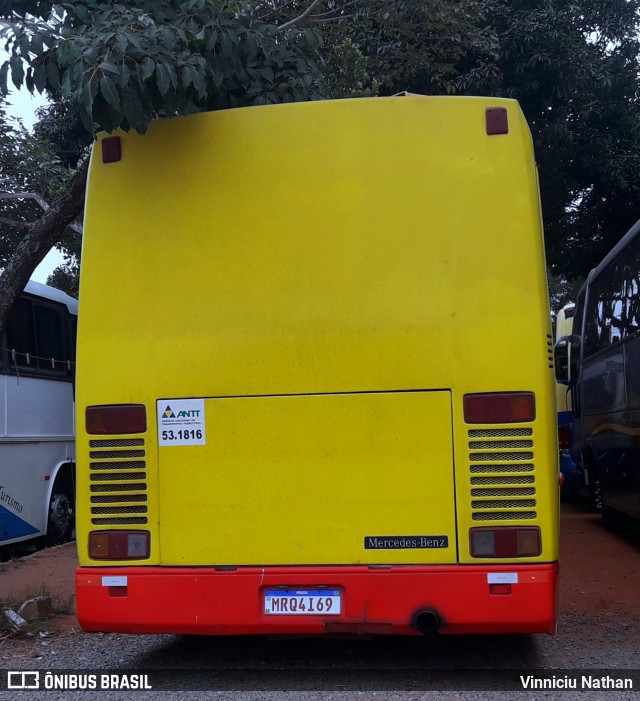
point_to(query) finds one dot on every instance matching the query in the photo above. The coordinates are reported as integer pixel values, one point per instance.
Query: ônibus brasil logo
(182, 414)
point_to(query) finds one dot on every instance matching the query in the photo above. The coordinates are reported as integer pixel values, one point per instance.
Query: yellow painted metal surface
(331, 248)
(305, 479)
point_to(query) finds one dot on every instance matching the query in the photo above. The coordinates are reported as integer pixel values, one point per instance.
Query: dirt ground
(50, 571)
(613, 586)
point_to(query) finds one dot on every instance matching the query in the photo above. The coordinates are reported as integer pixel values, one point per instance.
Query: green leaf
(123, 74)
(268, 74)
(148, 67)
(122, 43)
(36, 44)
(225, 42)
(17, 71)
(109, 92)
(77, 76)
(200, 84)
(167, 38)
(23, 43)
(212, 40)
(188, 75)
(173, 76)
(313, 38)
(64, 53)
(108, 67)
(134, 110)
(116, 116)
(102, 116)
(81, 13)
(87, 121)
(65, 82)
(53, 75)
(86, 97)
(29, 80)
(162, 72)
(4, 70)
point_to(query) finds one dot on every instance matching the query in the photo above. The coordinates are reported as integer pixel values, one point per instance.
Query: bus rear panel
(315, 382)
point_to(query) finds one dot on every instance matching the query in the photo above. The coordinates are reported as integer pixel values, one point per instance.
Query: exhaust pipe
(427, 622)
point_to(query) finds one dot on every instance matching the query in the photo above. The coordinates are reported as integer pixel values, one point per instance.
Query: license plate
(303, 602)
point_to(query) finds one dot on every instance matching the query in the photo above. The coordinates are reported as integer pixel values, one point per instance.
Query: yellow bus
(570, 477)
(315, 381)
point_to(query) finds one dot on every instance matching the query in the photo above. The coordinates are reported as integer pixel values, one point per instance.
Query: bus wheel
(614, 521)
(61, 520)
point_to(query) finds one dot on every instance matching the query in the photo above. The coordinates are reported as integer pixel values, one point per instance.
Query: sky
(23, 105)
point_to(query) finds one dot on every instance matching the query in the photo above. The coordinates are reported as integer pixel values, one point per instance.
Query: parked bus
(37, 449)
(295, 412)
(599, 364)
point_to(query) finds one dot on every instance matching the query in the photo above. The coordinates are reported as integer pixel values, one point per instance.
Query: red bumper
(374, 599)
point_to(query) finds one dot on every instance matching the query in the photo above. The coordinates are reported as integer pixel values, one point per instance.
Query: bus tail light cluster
(113, 419)
(499, 407)
(505, 542)
(564, 437)
(119, 545)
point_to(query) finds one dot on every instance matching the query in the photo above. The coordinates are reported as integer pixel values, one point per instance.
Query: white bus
(37, 444)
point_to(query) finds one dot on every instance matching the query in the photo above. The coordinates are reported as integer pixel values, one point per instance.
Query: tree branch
(299, 18)
(37, 242)
(16, 224)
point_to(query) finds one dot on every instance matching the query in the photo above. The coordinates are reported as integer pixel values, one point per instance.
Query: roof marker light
(111, 149)
(497, 120)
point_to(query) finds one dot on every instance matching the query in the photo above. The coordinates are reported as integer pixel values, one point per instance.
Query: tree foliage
(562, 291)
(29, 166)
(572, 64)
(126, 63)
(13, 178)
(416, 45)
(121, 64)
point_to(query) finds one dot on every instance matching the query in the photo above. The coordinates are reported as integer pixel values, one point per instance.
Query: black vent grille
(502, 481)
(116, 443)
(118, 483)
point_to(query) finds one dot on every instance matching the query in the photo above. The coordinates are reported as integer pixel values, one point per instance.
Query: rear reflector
(119, 545)
(111, 149)
(122, 591)
(499, 407)
(116, 418)
(497, 121)
(505, 542)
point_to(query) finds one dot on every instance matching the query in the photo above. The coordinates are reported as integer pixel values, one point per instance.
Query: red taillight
(563, 436)
(119, 545)
(499, 407)
(505, 542)
(116, 418)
